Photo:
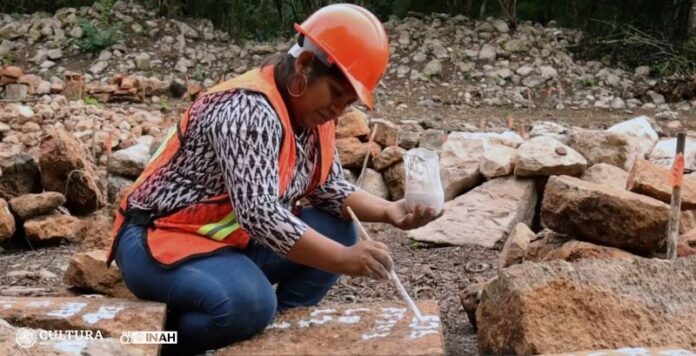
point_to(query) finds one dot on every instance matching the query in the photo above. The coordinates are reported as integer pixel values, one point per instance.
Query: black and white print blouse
(231, 146)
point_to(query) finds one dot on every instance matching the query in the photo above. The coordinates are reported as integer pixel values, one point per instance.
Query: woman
(211, 224)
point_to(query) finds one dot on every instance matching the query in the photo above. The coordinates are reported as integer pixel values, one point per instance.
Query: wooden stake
(367, 155)
(400, 287)
(675, 208)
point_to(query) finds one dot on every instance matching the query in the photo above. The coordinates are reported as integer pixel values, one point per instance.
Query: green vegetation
(90, 100)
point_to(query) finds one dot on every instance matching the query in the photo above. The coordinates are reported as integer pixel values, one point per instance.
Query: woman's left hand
(397, 215)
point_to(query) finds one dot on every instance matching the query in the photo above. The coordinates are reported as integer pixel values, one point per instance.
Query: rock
(470, 298)
(605, 147)
(574, 250)
(76, 32)
(63, 158)
(99, 67)
(110, 316)
(532, 81)
(484, 216)
(351, 151)
(387, 132)
(433, 68)
(352, 123)
(642, 71)
(617, 103)
(55, 54)
(538, 157)
(348, 329)
(497, 161)
(432, 139)
(518, 45)
(641, 130)
(88, 270)
(20, 175)
(550, 129)
(656, 98)
(51, 228)
(515, 247)
(373, 182)
(665, 150)
(31, 205)
(507, 138)
(43, 88)
(548, 72)
(488, 53)
(129, 162)
(7, 221)
(606, 174)
(500, 26)
(12, 72)
(604, 215)
(116, 185)
(655, 181)
(395, 177)
(536, 308)
(544, 243)
(142, 61)
(459, 165)
(388, 157)
(409, 134)
(16, 91)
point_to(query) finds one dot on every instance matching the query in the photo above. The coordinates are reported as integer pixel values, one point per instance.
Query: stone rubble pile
(476, 62)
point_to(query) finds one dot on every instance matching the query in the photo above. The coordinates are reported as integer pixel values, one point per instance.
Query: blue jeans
(216, 300)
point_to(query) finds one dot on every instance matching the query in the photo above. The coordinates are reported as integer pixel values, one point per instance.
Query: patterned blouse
(231, 146)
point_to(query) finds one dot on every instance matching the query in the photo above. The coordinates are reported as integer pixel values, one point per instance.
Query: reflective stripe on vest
(218, 230)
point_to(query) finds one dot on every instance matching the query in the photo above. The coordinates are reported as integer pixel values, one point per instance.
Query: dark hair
(285, 68)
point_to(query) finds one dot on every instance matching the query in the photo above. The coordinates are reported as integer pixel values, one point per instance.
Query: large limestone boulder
(606, 174)
(7, 221)
(640, 130)
(484, 216)
(353, 123)
(497, 161)
(32, 205)
(66, 169)
(665, 150)
(88, 270)
(373, 182)
(386, 328)
(19, 175)
(459, 164)
(605, 147)
(51, 228)
(655, 181)
(607, 216)
(545, 156)
(111, 316)
(515, 247)
(129, 162)
(557, 307)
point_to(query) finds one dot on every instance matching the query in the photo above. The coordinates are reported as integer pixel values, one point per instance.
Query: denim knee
(347, 233)
(246, 311)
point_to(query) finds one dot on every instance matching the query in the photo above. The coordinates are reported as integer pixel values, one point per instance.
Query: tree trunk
(692, 19)
(509, 11)
(683, 20)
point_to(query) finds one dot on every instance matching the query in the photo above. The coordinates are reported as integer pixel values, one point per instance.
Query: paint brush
(392, 274)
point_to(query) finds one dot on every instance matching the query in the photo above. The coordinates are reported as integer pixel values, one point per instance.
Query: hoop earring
(304, 78)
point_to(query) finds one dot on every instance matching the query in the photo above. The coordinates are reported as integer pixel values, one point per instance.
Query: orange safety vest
(209, 225)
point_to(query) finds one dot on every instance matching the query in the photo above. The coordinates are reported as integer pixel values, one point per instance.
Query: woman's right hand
(366, 259)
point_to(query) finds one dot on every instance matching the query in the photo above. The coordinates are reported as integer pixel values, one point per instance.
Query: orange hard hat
(354, 39)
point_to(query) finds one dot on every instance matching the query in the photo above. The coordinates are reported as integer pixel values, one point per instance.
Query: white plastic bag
(423, 186)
